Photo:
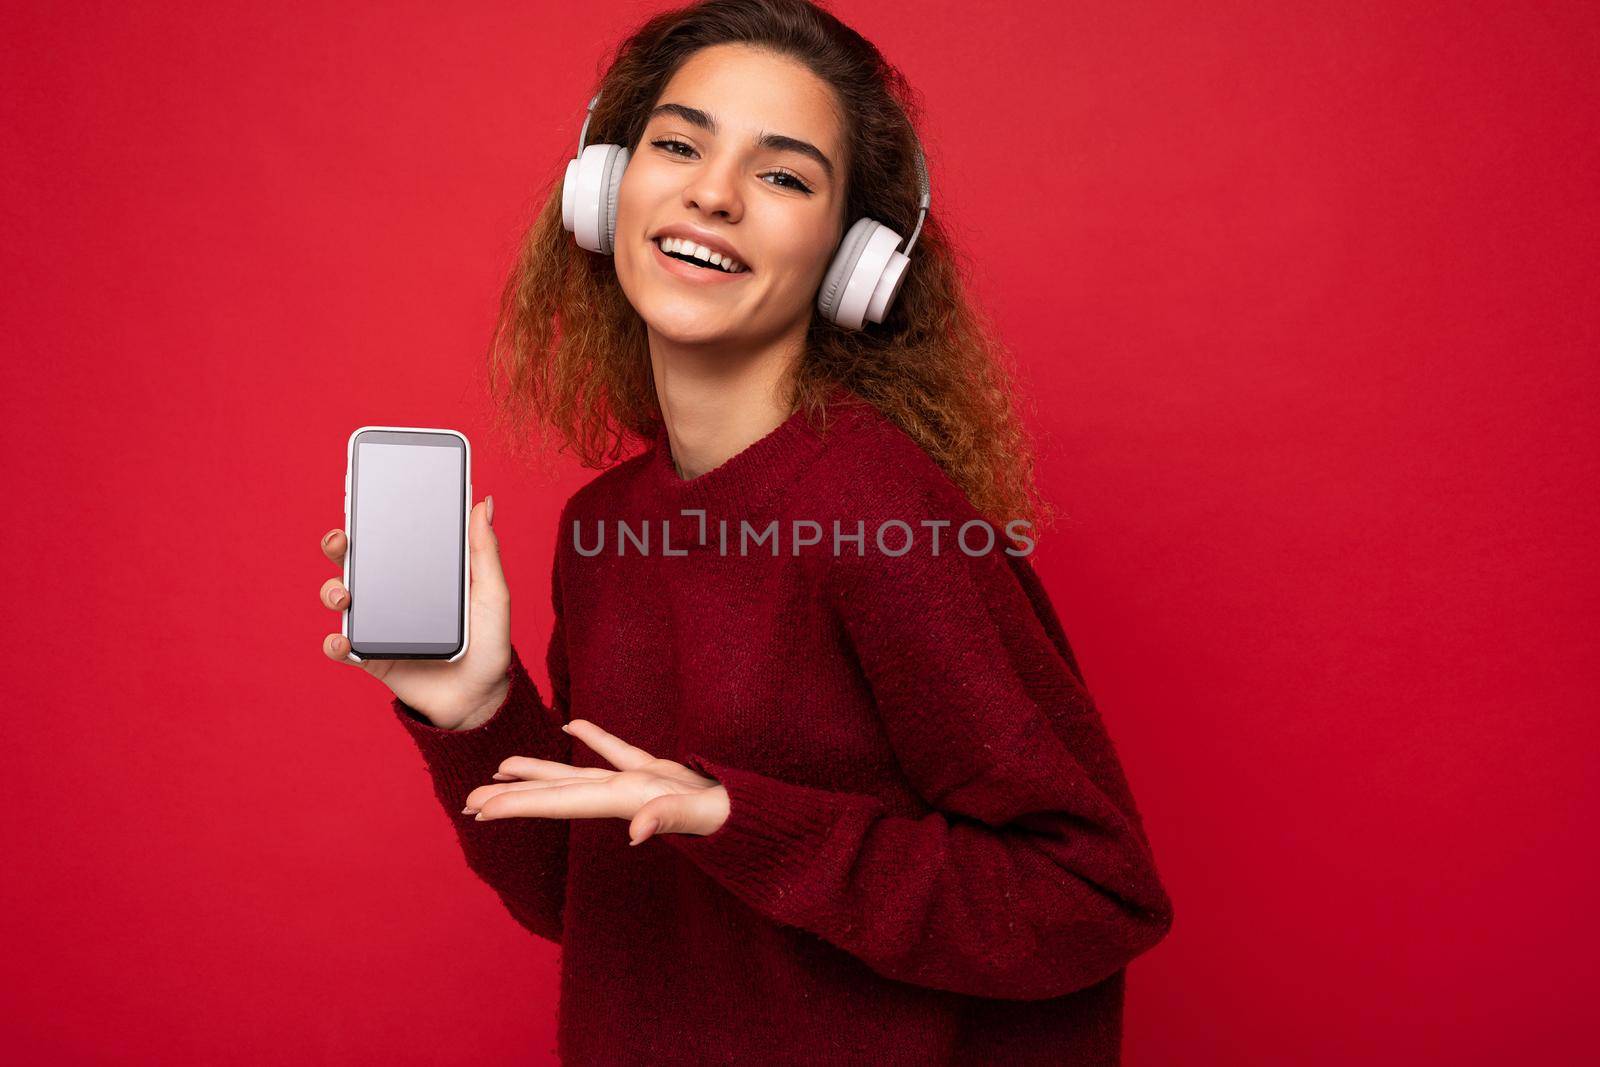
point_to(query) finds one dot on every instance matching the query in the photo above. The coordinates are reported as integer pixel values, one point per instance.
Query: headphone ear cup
(569, 198)
(864, 277)
(589, 195)
(839, 270)
(619, 163)
(888, 287)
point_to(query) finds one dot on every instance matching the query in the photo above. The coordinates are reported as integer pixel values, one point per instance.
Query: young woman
(881, 821)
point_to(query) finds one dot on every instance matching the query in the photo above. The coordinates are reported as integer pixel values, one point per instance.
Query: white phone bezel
(466, 553)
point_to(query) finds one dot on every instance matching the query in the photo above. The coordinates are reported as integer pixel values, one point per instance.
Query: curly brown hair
(570, 356)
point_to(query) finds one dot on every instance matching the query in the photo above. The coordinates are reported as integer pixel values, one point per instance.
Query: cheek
(645, 187)
(632, 206)
(807, 261)
(796, 243)
(633, 213)
(622, 260)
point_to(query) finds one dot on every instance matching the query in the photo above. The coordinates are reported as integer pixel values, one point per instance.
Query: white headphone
(860, 284)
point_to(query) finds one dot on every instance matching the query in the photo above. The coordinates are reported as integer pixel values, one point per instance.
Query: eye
(795, 181)
(669, 144)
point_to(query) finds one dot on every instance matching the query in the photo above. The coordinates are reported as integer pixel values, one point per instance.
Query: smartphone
(407, 497)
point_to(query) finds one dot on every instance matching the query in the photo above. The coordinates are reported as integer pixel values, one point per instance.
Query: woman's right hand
(453, 696)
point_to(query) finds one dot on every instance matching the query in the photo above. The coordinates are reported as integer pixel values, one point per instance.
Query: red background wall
(1304, 293)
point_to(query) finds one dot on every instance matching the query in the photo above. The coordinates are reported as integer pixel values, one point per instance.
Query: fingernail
(478, 817)
(327, 537)
(491, 510)
(497, 776)
(338, 597)
(469, 810)
(649, 828)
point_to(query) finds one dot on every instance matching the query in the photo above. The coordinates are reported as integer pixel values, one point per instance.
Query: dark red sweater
(932, 854)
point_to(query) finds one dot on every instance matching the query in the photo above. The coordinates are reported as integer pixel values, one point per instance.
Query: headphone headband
(583, 134)
(925, 189)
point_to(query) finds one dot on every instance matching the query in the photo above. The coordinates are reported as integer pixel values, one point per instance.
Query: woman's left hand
(655, 795)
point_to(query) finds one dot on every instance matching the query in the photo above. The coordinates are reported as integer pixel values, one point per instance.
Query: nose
(714, 190)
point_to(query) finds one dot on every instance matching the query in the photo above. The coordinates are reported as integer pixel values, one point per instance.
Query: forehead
(750, 91)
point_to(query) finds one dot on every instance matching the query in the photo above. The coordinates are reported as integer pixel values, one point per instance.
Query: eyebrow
(778, 142)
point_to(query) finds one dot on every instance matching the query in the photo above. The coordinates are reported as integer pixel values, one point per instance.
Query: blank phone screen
(407, 543)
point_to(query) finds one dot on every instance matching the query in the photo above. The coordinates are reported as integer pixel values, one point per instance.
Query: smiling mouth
(698, 256)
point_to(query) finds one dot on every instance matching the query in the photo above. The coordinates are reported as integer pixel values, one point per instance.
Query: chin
(687, 322)
(700, 334)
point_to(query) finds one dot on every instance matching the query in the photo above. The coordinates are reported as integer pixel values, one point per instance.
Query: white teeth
(701, 252)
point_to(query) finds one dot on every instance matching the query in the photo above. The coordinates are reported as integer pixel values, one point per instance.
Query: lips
(695, 252)
(701, 241)
(691, 273)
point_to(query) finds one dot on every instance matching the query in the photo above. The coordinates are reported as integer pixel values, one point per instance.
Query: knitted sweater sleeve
(1030, 877)
(523, 860)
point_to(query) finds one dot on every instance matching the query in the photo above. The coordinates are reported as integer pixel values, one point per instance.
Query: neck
(715, 402)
